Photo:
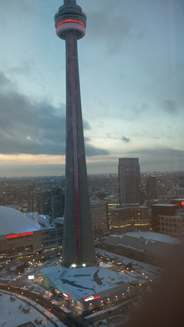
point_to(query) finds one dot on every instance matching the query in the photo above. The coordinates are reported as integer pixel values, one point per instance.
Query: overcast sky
(132, 77)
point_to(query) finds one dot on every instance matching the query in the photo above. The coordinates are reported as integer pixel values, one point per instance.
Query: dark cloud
(4, 82)
(33, 128)
(161, 158)
(86, 124)
(170, 106)
(91, 151)
(125, 139)
(23, 69)
(106, 26)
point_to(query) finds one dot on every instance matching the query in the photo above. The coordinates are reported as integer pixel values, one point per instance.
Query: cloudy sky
(132, 77)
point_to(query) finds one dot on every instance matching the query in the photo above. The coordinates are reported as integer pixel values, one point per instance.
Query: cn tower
(78, 243)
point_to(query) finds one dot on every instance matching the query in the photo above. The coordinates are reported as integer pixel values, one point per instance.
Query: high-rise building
(151, 188)
(99, 215)
(129, 180)
(30, 198)
(78, 243)
(43, 200)
(57, 205)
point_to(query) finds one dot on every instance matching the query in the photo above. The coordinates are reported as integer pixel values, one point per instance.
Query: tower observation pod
(78, 243)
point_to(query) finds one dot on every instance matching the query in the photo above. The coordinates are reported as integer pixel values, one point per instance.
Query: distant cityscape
(110, 214)
(90, 250)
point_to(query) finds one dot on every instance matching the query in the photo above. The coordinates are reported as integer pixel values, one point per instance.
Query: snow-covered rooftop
(83, 282)
(164, 205)
(17, 312)
(151, 236)
(13, 221)
(95, 201)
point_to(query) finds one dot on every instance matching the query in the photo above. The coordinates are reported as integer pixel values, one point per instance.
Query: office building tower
(30, 198)
(43, 200)
(78, 243)
(151, 188)
(57, 205)
(129, 180)
(99, 215)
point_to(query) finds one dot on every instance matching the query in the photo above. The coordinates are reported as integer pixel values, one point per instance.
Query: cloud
(106, 26)
(32, 127)
(161, 158)
(4, 82)
(125, 139)
(170, 106)
(86, 125)
(91, 151)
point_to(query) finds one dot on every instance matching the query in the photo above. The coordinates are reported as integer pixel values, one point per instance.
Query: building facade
(129, 180)
(171, 225)
(57, 202)
(99, 216)
(21, 237)
(157, 210)
(151, 188)
(129, 218)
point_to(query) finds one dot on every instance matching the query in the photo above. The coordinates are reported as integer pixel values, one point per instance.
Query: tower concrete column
(78, 243)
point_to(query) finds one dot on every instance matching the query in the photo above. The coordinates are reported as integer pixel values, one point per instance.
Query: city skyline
(131, 80)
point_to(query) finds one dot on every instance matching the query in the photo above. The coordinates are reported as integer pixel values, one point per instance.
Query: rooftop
(79, 283)
(13, 221)
(164, 205)
(151, 236)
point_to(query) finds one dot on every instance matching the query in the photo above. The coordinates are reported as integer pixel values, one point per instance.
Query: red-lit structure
(78, 244)
(19, 235)
(179, 202)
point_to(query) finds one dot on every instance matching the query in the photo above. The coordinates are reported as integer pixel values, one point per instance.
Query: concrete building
(129, 218)
(179, 202)
(171, 225)
(159, 209)
(57, 202)
(22, 237)
(44, 203)
(30, 198)
(99, 215)
(149, 247)
(151, 188)
(79, 281)
(83, 289)
(129, 180)
(78, 243)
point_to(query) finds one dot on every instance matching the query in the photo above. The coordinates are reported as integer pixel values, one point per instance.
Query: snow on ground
(11, 312)
(140, 269)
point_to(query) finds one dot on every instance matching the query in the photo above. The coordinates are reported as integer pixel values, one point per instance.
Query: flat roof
(175, 217)
(150, 236)
(79, 283)
(164, 205)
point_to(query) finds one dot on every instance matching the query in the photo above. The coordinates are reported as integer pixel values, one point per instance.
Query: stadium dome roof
(13, 221)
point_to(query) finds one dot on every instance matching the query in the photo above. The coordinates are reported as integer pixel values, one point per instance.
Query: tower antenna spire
(70, 1)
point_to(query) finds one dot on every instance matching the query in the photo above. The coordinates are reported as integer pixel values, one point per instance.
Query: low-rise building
(171, 225)
(153, 248)
(99, 216)
(22, 237)
(131, 217)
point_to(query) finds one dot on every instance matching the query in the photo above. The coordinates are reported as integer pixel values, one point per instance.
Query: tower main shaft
(78, 245)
